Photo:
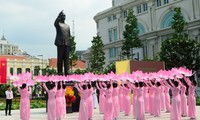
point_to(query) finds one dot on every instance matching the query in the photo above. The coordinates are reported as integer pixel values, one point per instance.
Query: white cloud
(29, 24)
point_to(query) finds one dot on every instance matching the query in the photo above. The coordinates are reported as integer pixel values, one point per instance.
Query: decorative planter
(69, 108)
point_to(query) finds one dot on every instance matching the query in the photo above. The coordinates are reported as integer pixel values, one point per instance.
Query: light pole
(42, 62)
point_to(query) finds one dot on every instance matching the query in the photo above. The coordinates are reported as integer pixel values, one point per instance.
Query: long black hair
(59, 85)
(176, 83)
(108, 85)
(115, 85)
(136, 84)
(23, 86)
(84, 87)
(89, 85)
(52, 85)
(63, 85)
(141, 84)
(158, 84)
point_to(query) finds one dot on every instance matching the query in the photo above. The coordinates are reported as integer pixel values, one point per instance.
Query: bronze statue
(63, 43)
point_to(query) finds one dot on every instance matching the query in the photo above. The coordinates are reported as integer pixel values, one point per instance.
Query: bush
(16, 104)
(198, 101)
(3, 88)
(38, 104)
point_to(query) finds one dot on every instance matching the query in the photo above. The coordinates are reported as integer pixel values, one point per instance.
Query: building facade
(154, 24)
(22, 64)
(9, 49)
(79, 65)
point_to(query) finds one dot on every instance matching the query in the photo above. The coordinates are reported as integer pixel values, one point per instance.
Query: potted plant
(70, 98)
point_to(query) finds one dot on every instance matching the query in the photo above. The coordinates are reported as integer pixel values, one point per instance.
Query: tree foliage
(97, 54)
(110, 68)
(73, 55)
(131, 35)
(179, 50)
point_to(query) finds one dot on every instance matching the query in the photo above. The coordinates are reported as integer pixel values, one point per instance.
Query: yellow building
(22, 64)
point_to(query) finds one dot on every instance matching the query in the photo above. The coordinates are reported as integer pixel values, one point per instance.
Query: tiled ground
(39, 114)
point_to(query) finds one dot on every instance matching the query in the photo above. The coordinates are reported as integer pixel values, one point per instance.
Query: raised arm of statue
(58, 19)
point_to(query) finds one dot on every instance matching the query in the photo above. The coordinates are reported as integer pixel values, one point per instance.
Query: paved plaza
(39, 114)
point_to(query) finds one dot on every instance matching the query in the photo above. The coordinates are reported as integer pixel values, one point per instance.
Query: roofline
(124, 6)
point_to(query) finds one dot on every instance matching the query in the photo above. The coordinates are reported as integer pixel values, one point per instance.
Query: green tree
(110, 68)
(73, 55)
(131, 35)
(97, 54)
(50, 71)
(179, 50)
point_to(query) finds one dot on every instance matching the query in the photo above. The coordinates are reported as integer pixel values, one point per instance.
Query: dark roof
(3, 38)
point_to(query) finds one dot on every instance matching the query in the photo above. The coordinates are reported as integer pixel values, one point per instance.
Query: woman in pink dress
(183, 99)
(151, 98)
(24, 102)
(59, 102)
(140, 112)
(101, 96)
(51, 100)
(175, 108)
(134, 87)
(83, 108)
(167, 97)
(115, 100)
(146, 98)
(121, 96)
(90, 101)
(127, 102)
(63, 99)
(191, 98)
(108, 111)
(157, 100)
(162, 97)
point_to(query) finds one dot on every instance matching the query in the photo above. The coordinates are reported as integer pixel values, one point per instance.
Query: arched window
(141, 29)
(167, 20)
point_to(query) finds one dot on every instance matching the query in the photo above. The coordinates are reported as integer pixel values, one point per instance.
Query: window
(44, 71)
(28, 69)
(115, 34)
(36, 72)
(109, 18)
(115, 52)
(125, 14)
(166, 1)
(114, 17)
(145, 7)
(11, 71)
(19, 70)
(111, 52)
(110, 35)
(139, 10)
(158, 3)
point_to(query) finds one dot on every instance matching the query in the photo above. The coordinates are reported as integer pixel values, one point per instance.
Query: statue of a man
(63, 43)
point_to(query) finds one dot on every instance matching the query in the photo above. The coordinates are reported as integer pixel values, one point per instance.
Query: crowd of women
(151, 94)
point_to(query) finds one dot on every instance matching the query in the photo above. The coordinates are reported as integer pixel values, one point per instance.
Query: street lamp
(42, 62)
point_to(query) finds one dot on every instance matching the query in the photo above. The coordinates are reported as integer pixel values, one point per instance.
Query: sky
(30, 23)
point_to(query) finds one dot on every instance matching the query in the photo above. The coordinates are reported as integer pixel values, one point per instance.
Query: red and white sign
(3, 66)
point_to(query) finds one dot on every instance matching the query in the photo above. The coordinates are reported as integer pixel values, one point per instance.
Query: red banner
(3, 66)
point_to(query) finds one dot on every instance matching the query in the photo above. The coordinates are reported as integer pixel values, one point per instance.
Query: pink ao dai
(24, 103)
(140, 112)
